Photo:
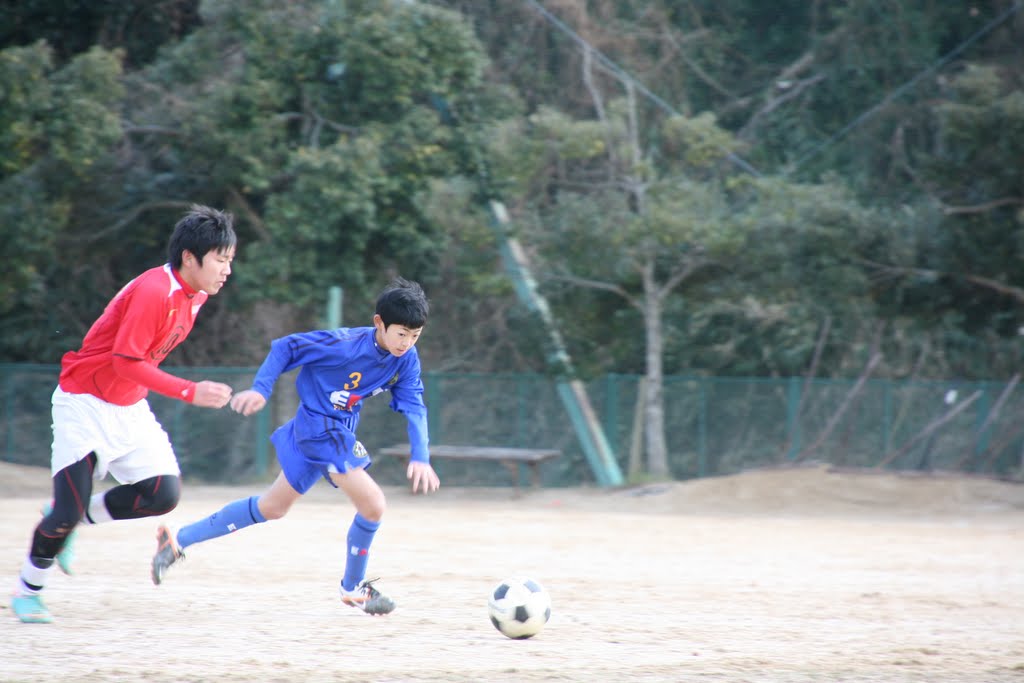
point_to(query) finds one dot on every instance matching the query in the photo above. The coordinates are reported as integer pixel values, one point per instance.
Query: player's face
(396, 339)
(212, 274)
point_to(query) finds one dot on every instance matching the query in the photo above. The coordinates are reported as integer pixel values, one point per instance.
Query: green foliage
(71, 27)
(57, 122)
(65, 116)
(975, 227)
(85, 123)
(326, 217)
(802, 251)
(326, 125)
(980, 138)
(357, 139)
(31, 223)
(325, 167)
(25, 95)
(693, 143)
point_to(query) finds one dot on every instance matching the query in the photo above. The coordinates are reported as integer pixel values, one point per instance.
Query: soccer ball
(519, 607)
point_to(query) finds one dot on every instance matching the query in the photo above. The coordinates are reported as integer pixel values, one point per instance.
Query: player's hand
(248, 402)
(211, 394)
(422, 474)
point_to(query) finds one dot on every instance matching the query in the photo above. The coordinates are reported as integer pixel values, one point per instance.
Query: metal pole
(335, 294)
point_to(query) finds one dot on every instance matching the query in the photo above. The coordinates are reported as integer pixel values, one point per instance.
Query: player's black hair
(403, 302)
(201, 231)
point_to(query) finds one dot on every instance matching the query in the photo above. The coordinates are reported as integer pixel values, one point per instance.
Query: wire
(903, 88)
(626, 77)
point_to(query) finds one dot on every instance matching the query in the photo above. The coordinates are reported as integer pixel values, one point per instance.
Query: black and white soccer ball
(519, 607)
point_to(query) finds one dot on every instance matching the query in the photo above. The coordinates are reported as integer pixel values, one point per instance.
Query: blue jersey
(340, 368)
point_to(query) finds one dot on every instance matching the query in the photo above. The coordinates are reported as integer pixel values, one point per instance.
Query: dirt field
(768, 577)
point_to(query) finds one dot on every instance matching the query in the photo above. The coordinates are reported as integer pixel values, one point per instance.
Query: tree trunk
(654, 410)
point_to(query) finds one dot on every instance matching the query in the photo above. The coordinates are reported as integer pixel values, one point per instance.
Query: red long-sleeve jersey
(143, 323)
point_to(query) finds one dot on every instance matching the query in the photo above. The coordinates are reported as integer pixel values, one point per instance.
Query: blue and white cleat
(30, 609)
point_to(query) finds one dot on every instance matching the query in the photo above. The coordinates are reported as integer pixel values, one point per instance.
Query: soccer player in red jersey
(101, 419)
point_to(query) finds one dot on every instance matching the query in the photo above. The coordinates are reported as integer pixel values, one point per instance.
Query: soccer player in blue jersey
(339, 369)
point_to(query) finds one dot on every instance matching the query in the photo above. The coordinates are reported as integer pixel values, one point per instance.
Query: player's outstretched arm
(211, 394)
(422, 474)
(248, 402)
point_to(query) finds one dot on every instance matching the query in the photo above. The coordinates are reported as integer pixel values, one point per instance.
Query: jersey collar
(384, 353)
(189, 292)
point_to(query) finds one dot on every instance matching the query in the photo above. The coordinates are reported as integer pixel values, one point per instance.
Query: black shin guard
(147, 498)
(72, 487)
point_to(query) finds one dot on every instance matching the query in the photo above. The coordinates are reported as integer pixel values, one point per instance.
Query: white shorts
(128, 441)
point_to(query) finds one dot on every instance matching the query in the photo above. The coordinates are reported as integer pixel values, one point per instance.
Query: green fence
(713, 425)
(213, 445)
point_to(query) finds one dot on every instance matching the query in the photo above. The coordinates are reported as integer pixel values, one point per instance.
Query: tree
(59, 124)
(606, 221)
(70, 27)
(316, 123)
(323, 141)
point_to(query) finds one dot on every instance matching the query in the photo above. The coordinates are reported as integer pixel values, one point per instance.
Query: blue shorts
(305, 459)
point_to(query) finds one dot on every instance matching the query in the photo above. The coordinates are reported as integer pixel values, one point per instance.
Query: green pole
(572, 391)
(262, 439)
(334, 301)
(588, 430)
(981, 418)
(9, 403)
(702, 427)
(432, 386)
(611, 405)
(886, 416)
(793, 417)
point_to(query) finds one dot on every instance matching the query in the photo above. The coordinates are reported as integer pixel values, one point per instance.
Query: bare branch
(791, 91)
(789, 73)
(678, 275)
(812, 371)
(834, 420)
(299, 116)
(1009, 290)
(636, 187)
(250, 214)
(599, 285)
(993, 451)
(132, 129)
(931, 427)
(125, 220)
(695, 67)
(992, 416)
(595, 95)
(981, 208)
(588, 81)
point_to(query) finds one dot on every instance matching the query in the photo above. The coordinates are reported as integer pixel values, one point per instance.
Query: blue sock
(360, 536)
(234, 516)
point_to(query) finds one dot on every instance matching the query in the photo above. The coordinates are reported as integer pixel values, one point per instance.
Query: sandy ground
(771, 576)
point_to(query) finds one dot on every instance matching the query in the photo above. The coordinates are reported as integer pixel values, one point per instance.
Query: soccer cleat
(66, 556)
(30, 609)
(367, 598)
(167, 552)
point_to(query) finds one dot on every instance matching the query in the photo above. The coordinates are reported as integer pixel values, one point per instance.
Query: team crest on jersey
(344, 400)
(393, 380)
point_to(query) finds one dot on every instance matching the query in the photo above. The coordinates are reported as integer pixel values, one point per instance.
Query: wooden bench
(509, 457)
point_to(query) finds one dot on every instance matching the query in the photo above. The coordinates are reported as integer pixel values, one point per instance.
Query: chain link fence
(714, 425)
